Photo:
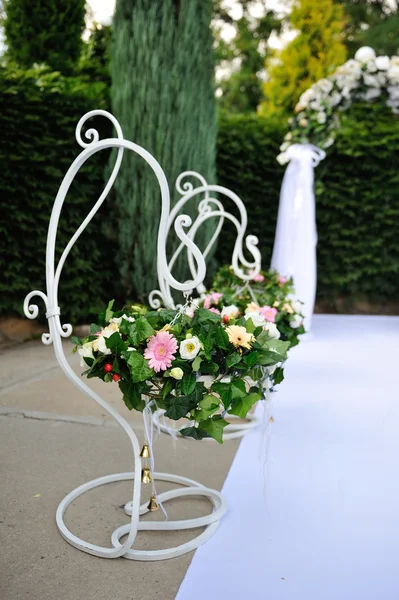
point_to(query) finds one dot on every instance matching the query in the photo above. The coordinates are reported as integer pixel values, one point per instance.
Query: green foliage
(357, 193)
(95, 58)
(314, 53)
(38, 118)
(358, 208)
(372, 23)
(160, 369)
(163, 95)
(242, 89)
(49, 31)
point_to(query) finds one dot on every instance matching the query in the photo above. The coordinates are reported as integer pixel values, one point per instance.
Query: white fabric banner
(294, 251)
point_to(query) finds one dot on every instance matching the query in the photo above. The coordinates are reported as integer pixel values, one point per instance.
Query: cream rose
(272, 330)
(257, 319)
(99, 344)
(189, 348)
(85, 351)
(177, 373)
(297, 306)
(296, 321)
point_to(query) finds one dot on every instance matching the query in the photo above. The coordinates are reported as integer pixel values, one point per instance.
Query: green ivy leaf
(183, 364)
(221, 338)
(224, 391)
(238, 389)
(233, 359)
(194, 432)
(94, 328)
(139, 367)
(116, 344)
(188, 384)
(267, 358)
(196, 363)
(108, 311)
(133, 395)
(241, 406)
(140, 330)
(214, 427)
(209, 368)
(208, 405)
(250, 325)
(278, 375)
(278, 346)
(203, 315)
(250, 359)
(167, 387)
(178, 407)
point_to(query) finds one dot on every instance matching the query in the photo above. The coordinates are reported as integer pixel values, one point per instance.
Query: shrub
(39, 114)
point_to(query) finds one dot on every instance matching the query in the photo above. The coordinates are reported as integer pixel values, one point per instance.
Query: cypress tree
(314, 53)
(163, 96)
(49, 31)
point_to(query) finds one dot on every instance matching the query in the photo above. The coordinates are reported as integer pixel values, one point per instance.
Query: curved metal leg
(192, 488)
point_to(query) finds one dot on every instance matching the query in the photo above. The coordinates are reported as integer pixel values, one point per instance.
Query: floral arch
(313, 129)
(366, 77)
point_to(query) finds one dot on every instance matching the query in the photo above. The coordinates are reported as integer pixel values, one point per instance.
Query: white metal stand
(57, 331)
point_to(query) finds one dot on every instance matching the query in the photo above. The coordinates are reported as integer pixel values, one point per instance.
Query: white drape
(294, 251)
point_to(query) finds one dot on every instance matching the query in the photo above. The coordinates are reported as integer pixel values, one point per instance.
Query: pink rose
(258, 278)
(282, 280)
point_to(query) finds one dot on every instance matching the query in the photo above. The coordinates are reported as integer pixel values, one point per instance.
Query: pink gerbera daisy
(161, 351)
(269, 313)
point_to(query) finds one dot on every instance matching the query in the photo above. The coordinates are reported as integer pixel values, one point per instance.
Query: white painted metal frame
(57, 331)
(210, 208)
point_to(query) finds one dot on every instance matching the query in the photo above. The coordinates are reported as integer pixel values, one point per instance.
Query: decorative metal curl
(154, 301)
(92, 134)
(210, 207)
(188, 186)
(31, 311)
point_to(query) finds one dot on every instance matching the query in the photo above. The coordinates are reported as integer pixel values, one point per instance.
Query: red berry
(108, 368)
(116, 377)
(226, 319)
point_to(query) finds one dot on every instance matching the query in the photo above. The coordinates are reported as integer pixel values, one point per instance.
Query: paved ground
(53, 439)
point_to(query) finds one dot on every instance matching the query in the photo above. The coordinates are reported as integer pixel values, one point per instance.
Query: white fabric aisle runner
(328, 526)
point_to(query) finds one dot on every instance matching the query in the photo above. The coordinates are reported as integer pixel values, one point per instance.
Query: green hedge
(357, 196)
(37, 145)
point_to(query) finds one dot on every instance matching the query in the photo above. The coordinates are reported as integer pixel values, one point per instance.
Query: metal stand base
(192, 488)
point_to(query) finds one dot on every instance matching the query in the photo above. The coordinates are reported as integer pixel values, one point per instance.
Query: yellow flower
(252, 307)
(239, 336)
(166, 327)
(288, 308)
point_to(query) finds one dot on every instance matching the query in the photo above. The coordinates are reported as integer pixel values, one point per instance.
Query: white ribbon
(294, 251)
(149, 435)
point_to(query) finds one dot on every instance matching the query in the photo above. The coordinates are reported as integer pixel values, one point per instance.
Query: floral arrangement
(194, 363)
(267, 300)
(366, 77)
